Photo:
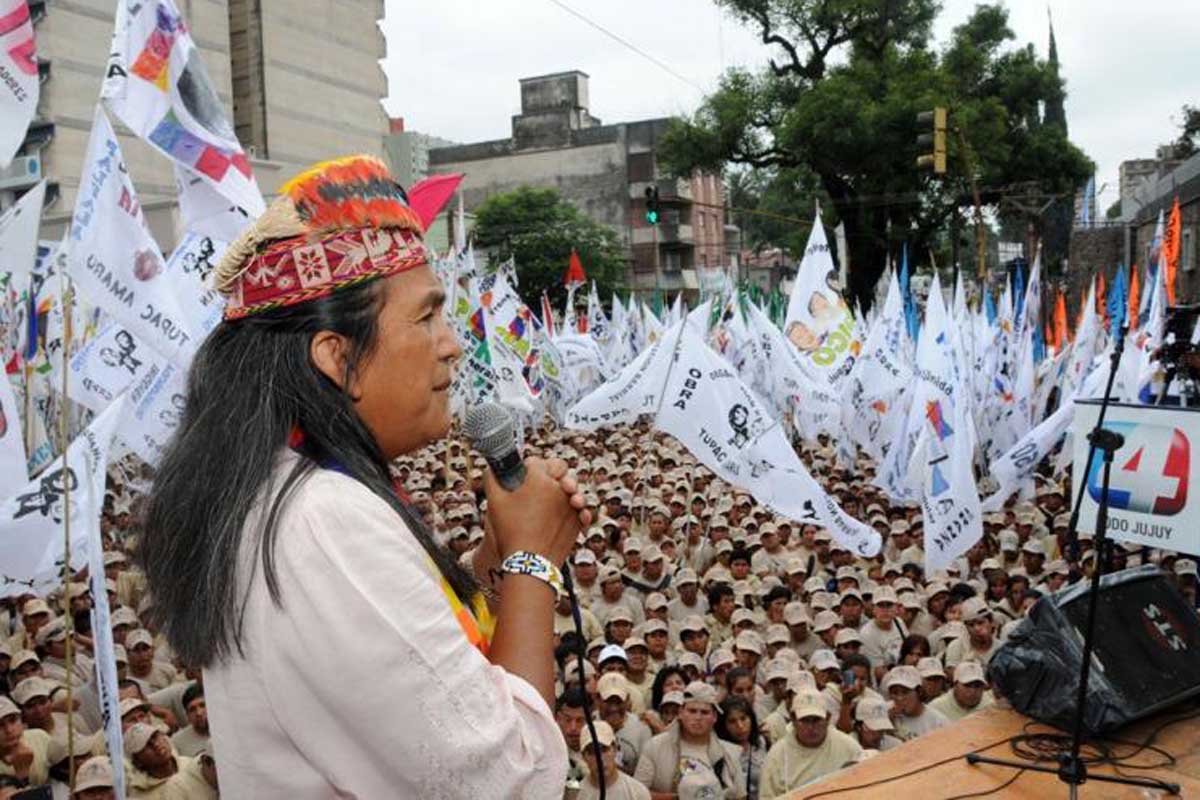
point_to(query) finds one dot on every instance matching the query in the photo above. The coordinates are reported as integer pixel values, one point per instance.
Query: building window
(1187, 249)
(671, 261)
(641, 167)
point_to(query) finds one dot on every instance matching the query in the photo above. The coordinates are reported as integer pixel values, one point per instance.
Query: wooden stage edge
(939, 768)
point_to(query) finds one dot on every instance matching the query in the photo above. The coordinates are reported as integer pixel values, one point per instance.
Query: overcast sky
(453, 65)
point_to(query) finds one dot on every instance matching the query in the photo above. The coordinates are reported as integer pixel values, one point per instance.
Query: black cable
(581, 655)
(987, 792)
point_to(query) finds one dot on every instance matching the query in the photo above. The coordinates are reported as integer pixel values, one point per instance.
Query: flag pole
(68, 617)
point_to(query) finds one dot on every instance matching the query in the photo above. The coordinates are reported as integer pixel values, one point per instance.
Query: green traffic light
(652, 217)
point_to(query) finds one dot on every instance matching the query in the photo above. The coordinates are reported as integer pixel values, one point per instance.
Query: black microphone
(493, 433)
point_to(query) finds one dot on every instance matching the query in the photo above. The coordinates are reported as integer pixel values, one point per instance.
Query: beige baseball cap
(823, 660)
(604, 735)
(137, 737)
(95, 773)
(700, 692)
(749, 641)
(808, 703)
(905, 676)
(138, 637)
(30, 688)
(794, 613)
(873, 713)
(930, 667)
(825, 620)
(7, 707)
(968, 672)
(612, 685)
(35, 606)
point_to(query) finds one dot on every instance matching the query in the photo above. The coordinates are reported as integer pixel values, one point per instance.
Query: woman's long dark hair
(656, 689)
(731, 704)
(252, 382)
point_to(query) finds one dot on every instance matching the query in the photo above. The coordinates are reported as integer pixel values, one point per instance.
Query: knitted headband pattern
(337, 224)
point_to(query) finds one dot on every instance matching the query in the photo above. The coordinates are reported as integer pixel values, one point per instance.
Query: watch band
(524, 562)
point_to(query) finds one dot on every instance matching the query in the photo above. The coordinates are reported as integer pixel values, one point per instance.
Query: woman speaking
(346, 654)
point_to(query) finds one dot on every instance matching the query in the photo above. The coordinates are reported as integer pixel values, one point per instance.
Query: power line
(661, 65)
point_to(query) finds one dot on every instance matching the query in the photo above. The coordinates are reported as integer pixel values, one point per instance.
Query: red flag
(1061, 333)
(1170, 249)
(1131, 317)
(429, 197)
(575, 275)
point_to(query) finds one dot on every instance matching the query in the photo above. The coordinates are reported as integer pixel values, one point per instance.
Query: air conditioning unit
(23, 172)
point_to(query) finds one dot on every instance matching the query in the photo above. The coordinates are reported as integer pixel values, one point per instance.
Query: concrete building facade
(289, 108)
(604, 170)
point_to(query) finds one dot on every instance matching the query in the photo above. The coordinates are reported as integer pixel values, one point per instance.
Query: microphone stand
(1072, 770)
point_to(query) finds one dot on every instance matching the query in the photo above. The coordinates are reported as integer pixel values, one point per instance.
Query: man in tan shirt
(970, 693)
(690, 750)
(617, 785)
(812, 751)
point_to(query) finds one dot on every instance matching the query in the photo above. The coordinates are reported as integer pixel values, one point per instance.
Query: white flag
(108, 363)
(157, 85)
(19, 233)
(721, 422)
(819, 324)
(19, 80)
(31, 521)
(156, 404)
(881, 377)
(637, 389)
(950, 499)
(115, 261)
(205, 211)
(13, 463)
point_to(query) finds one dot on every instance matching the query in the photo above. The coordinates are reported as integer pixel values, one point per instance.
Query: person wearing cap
(1187, 578)
(909, 713)
(157, 772)
(803, 642)
(653, 576)
(694, 638)
(970, 693)
(657, 635)
(33, 695)
(772, 557)
(873, 726)
(617, 784)
(51, 642)
(150, 673)
(35, 613)
(933, 678)
(737, 723)
(981, 642)
(813, 750)
(94, 780)
(62, 753)
(1033, 559)
(616, 709)
(883, 634)
(850, 608)
(564, 619)
(690, 751)
(333, 358)
(688, 600)
(612, 594)
(638, 674)
(189, 741)
(24, 752)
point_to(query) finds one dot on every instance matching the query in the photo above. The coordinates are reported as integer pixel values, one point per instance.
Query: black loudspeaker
(1146, 653)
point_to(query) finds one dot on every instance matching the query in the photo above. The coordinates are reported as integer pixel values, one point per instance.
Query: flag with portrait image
(157, 84)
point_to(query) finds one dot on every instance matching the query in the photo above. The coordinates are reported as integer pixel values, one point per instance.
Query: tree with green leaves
(839, 100)
(538, 229)
(1188, 143)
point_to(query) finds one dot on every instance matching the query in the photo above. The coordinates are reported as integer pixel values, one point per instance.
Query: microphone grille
(491, 430)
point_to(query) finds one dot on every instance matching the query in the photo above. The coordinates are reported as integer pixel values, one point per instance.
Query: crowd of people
(728, 652)
(733, 653)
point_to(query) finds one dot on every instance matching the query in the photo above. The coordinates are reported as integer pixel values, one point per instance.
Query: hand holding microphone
(533, 504)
